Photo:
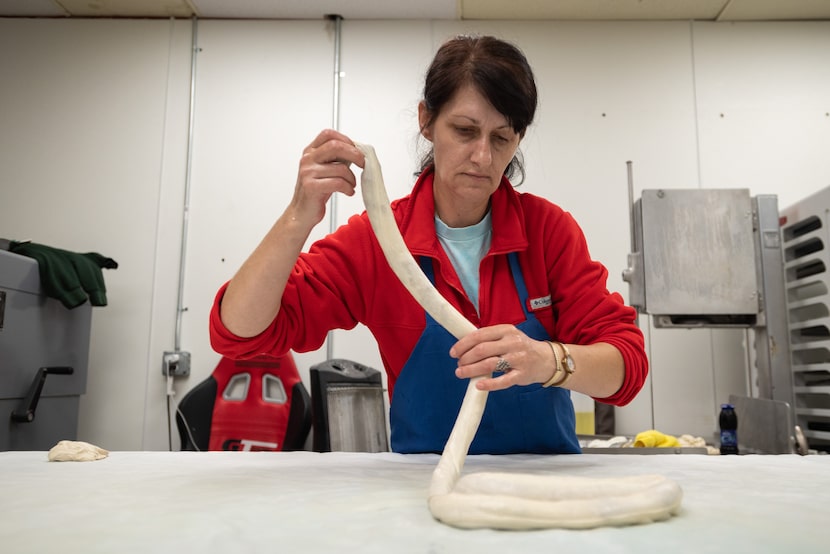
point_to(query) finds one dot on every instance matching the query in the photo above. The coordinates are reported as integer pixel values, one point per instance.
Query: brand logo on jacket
(539, 303)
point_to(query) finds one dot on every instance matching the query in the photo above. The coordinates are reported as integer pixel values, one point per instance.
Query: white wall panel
(263, 92)
(158, 435)
(764, 114)
(81, 165)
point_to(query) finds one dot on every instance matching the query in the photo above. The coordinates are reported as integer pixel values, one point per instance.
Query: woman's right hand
(252, 298)
(324, 170)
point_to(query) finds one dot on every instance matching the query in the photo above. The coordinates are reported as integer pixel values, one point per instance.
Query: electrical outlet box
(176, 364)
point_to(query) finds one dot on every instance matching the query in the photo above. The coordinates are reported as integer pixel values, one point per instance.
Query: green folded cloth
(70, 277)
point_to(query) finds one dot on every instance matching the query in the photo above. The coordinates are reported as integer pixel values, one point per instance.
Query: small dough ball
(76, 451)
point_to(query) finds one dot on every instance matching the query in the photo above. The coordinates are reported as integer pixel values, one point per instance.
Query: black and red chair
(257, 404)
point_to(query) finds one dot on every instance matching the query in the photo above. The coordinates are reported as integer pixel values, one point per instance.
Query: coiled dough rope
(503, 500)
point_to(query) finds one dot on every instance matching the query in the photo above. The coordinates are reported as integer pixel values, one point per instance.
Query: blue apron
(428, 395)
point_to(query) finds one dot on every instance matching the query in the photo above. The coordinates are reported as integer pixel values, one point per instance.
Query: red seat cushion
(252, 417)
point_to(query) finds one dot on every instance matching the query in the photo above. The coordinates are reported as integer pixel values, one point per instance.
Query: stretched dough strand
(503, 500)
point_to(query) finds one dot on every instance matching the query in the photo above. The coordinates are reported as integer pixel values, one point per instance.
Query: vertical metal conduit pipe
(180, 308)
(335, 124)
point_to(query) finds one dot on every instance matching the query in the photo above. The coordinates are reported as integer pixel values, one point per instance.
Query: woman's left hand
(502, 347)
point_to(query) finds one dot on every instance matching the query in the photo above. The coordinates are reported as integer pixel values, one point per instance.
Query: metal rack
(805, 230)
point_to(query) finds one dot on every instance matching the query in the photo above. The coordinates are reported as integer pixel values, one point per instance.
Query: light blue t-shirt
(465, 247)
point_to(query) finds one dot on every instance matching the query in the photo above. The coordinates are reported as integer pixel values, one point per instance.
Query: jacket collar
(418, 219)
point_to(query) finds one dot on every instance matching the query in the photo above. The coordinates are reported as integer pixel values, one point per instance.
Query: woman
(515, 264)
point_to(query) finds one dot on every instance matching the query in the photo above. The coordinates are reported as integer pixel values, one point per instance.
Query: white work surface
(224, 502)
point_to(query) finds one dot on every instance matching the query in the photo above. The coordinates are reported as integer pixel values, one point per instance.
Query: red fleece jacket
(344, 280)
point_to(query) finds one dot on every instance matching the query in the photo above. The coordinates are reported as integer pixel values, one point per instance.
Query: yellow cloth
(652, 438)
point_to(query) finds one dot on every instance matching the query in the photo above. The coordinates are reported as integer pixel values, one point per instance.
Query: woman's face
(473, 144)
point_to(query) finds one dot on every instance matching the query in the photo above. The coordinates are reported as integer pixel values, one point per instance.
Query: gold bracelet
(557, 365)
(568, 365)
(567, 370)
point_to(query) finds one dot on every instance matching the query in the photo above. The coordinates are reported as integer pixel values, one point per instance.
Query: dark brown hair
(497, 69)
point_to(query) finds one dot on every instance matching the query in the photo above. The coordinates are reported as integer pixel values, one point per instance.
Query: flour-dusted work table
(225, 502)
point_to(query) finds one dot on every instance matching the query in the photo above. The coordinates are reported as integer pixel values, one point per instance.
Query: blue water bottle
(728, 429)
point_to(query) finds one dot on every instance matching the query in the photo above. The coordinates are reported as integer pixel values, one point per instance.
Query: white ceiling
(705, 10)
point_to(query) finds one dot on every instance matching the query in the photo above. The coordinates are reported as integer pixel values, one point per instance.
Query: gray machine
(44, 352)
(713, 258)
